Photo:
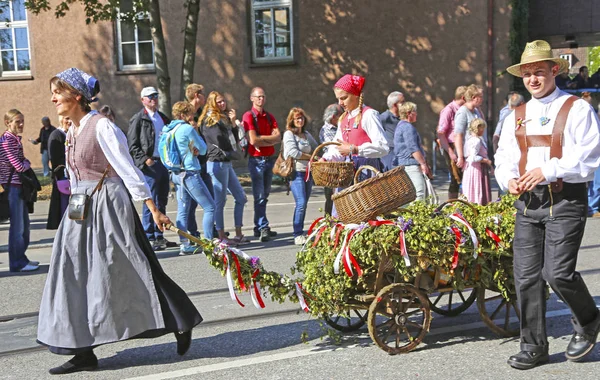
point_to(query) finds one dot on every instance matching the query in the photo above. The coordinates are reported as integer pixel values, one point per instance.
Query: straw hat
(538, 51)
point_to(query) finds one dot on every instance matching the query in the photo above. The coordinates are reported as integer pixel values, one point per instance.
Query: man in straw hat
(552, 204)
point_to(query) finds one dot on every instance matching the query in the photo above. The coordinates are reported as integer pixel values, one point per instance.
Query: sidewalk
(280, 213)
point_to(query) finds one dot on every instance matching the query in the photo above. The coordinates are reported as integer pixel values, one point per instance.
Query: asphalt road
(236, 342)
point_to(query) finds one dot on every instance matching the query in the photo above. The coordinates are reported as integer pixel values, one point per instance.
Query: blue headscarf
(86, 84)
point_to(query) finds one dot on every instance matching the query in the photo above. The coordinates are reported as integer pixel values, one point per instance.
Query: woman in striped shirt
(13, 162)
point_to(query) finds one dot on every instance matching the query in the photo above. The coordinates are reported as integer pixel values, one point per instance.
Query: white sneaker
(300, 240)
(29, 268)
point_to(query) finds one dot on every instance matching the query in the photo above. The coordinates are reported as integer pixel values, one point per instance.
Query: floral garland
(471, 243)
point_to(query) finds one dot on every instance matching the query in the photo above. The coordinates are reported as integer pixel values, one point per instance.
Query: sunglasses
(153, 96)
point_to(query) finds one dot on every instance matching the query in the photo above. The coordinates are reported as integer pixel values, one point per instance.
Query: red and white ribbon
(401, 239)
(255, 292)
(300, 296)
(460, 219)
(458, 236)
(344, 256)
(234, 296)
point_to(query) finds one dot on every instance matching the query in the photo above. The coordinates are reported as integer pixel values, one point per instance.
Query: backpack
(244, 144)
(169, 151)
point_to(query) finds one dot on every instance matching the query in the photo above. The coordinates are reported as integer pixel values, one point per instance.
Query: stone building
(424, 49)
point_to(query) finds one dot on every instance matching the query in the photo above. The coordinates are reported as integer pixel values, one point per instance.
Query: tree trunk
(189, 45)
(160, 58)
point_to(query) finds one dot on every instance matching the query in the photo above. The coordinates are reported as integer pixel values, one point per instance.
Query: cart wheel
(354, 320)
(498, 313)
(399, 318)
(453, 302)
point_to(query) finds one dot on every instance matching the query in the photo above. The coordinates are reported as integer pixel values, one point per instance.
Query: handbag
(284, 168)
(79, 203)
(63, 185)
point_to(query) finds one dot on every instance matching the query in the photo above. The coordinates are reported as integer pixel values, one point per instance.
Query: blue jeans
(45, 162)
(224, 178)
(261, 174)
(186, 210)
(195, 187)
(594, 193)
(157, 178)
(301, 191)
(18, 233)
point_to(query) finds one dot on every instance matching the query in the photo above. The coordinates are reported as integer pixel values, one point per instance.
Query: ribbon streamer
(459, 218)
(401, 239)
(456, 245)
(494, 237)
(255, 292)
(344, 255)
(239, 273)
(303, 304)
(234, 296)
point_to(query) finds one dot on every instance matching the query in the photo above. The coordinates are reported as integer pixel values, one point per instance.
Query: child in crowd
(476, 176)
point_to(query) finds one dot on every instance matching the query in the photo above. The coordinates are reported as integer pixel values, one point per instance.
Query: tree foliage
(594, 59)
(518, 36)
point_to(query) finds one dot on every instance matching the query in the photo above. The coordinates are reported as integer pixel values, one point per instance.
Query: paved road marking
(233, 364)
(313, 351)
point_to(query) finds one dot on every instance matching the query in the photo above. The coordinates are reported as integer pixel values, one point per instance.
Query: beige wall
(423, 49)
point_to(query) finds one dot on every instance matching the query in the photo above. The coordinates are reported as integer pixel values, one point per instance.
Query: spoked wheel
(451, 302)
(399, 318)
(354, 320)
(500, 315)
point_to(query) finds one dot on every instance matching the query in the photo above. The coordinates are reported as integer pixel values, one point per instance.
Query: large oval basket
(331, 174)
(374, 196)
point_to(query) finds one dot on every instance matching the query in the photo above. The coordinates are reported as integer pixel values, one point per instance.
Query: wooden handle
(321, 147)
(369, 167)
(451, 201)
(192, 238)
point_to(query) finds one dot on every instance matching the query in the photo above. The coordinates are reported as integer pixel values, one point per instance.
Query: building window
(134, 40)
(272, 32)
(14, 39)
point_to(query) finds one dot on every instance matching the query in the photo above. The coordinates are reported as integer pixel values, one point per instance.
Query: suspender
(554, 141)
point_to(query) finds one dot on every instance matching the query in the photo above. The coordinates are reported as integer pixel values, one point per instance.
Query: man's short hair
(582, 68)
(192, 89)
(472, 92)
(393, 98)
(459, 93)
(331, 111)
(515, 100)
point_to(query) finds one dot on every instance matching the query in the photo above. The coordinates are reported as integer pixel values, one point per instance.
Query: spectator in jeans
(445, 133)
(13, 162)
(42, 139)
(299, 144)
(190, 145)
(218, 125)
(263, 134)
(143, 135)
(408, 149)
(330, 119)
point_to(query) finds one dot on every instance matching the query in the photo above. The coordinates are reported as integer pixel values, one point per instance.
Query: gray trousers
(548, 233)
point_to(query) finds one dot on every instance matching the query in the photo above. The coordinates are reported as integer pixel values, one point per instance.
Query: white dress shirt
(377, 148)
(158, 123)
(113, 143)
(581, 142)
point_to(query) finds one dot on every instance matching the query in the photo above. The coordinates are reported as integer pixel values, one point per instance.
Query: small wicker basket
(329, 173)
(374, 196)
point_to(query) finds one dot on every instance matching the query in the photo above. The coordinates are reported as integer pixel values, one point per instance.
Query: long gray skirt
(105, 283)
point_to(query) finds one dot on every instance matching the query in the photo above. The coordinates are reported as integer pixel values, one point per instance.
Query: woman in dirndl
(105, 283)
(359, 130)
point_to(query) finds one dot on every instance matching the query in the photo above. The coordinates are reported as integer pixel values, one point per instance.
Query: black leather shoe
(580, 345)
(80, 362)
(184, 341)
(528, 360)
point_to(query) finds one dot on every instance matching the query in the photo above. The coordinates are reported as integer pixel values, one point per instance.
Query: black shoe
(184, 341)
(256, 232)
(80, 362)
(580, 345)
(528, 360)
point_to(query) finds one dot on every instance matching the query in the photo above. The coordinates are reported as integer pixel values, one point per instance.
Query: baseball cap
(146, 91)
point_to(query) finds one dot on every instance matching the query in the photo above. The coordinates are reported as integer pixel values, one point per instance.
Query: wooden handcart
(398, 313)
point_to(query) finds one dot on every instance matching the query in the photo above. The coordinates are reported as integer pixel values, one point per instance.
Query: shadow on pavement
(43, 270)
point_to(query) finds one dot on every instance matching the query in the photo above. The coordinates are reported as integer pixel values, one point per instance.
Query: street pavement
(235, 342)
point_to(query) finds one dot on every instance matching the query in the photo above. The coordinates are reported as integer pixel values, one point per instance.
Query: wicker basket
(374, 196)
(331, 174)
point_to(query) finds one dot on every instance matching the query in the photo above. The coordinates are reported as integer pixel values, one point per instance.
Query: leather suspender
(554, 141)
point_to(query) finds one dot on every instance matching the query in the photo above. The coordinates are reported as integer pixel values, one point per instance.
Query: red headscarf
(352, 84)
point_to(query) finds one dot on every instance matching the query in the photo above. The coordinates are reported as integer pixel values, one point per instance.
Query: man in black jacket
(145, 128)
(45, 132)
